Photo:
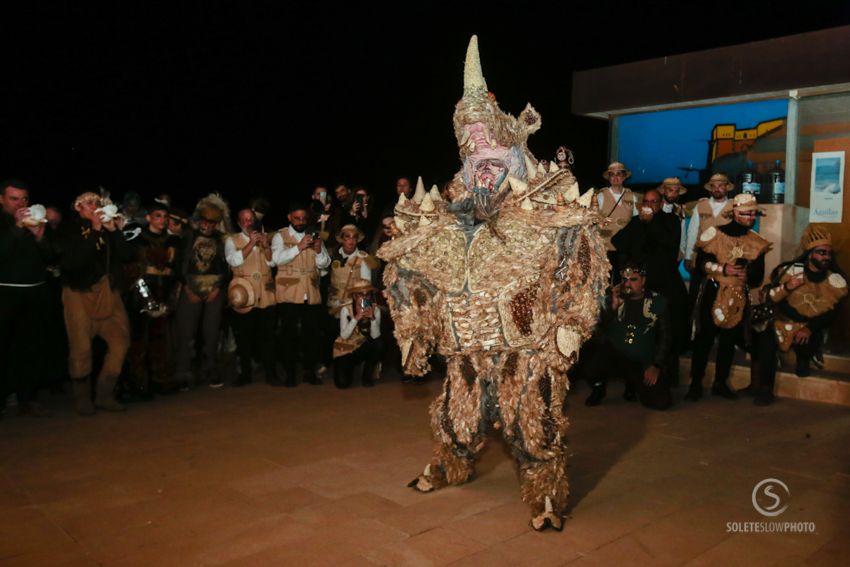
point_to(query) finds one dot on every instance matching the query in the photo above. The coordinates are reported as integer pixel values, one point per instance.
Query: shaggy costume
(506, 283)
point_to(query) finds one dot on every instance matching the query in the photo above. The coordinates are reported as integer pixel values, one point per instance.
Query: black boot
(723, 390)
(596, 396)
(82, 396)
(694, 390)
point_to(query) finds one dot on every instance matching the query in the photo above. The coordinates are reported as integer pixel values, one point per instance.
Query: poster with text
(827, 191)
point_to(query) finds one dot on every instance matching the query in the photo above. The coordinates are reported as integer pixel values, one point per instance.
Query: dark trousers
(189, 316)
(23, 312)
(369, 354)
(726, 341)
(605, 362)
(765, 349)
(301, 332)
(254, 332)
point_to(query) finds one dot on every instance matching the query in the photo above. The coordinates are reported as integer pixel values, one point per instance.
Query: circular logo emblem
(766, 501)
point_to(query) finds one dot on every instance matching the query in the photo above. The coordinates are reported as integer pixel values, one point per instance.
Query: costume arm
(755, 272)
(375, 326)
(323, 259)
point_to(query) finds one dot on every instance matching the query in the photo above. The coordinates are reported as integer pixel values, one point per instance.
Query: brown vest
(299, 277)
(255, 269)
(618, 214)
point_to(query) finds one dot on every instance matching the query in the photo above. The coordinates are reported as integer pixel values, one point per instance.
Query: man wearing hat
(731, 257)
(709, 211)
(618, 205)
(301, 259)
(251, 297)
(348, 264)
(804, 293)
(92, 251)
(359, 334)
(204, 273)
(671, 190)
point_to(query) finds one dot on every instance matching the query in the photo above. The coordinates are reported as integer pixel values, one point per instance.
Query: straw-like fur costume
(505, 282)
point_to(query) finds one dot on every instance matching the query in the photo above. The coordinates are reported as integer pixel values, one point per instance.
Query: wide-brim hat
(352, 228)
(745, 202)
(240, 295)
(673, 182)
(722, 177)
(616, 166)
(359, 286)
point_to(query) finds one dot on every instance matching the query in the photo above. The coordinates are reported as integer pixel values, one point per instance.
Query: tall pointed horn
(419, 194)
(435, 193)
(473, 77)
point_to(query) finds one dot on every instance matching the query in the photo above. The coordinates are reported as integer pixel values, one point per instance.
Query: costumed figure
(506, 282)
(804, 294)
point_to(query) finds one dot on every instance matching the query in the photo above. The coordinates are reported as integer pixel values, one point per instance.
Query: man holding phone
(732, 258)
(301, 259)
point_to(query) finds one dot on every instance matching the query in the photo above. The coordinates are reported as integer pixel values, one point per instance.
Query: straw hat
(673, 182)
(719, 177)
(616, 166)
(240, 295)
(351, 228)
(359, 286)
(746, 202)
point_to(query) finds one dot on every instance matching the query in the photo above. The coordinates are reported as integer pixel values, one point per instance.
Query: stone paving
(317, 476)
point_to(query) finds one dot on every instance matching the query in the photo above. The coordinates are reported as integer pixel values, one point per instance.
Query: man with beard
(671, 190)
(505, 283)
(731, 257)
(637, 339)
(301, 259)
(652, 240)
(204, 273)
(150, 356)
(804, 293)
(708, 212)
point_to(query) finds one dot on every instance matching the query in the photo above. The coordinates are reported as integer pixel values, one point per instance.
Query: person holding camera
(359, 335)
(731, 257)
(360, 210)
(302, 259)
(251, 297)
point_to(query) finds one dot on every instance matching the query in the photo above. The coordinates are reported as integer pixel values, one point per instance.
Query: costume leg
(211, 328)
(457, 425)
(531, 406)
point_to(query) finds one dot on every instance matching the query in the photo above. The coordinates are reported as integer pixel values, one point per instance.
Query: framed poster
(827, 190)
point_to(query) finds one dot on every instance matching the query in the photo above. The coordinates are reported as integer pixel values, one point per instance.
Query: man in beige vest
(348, 265)
(251, 297)
(708, 212)
(617, 204)
(301, 259)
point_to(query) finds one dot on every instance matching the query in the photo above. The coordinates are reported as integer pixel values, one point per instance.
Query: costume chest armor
(618, 214)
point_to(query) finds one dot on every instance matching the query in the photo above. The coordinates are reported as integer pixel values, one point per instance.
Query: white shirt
(693, 227)
(233, 255)
(283, 254)
(347, 323)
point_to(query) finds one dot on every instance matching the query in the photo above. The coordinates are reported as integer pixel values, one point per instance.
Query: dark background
(256, 98)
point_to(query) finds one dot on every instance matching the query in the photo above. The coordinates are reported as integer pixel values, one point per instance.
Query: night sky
(251, 98)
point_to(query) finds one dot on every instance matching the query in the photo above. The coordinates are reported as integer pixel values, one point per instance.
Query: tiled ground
(316, 476)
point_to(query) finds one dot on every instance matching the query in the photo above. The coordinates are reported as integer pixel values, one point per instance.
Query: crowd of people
(165, 292)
